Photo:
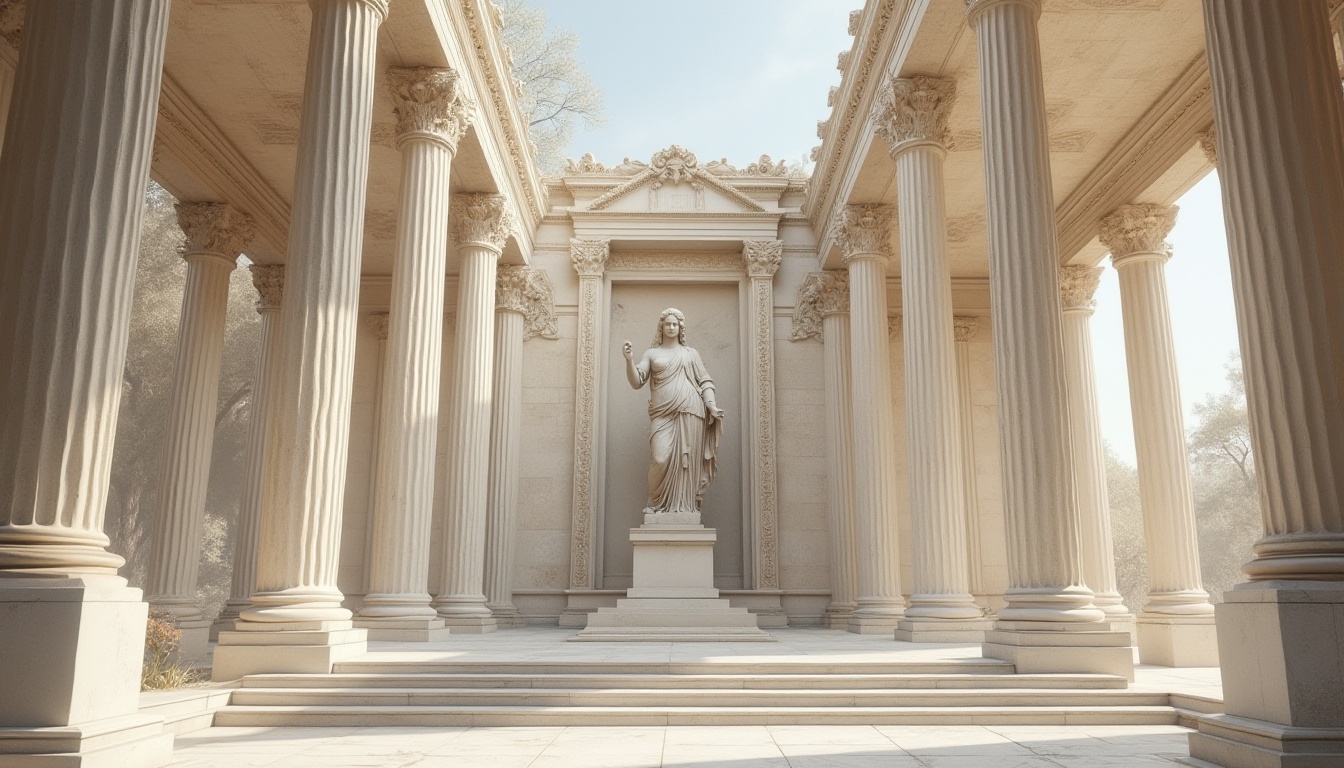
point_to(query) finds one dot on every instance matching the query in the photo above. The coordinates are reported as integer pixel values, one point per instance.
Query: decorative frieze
(864, 230)
(1077, 284)
(1140, 228)
(429, 100)
(484, 220)
(527, 291)
(914, 109)
(214, 228)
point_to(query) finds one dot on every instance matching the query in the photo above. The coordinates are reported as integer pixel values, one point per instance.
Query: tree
(1131, 552)
(557, 93)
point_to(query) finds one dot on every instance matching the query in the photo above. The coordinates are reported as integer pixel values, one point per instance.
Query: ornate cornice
(1077, 285)
(762, 257)
(429, 100)
(269, 280)
(1141, 228)
(976, 7)
(379, 321)
(589, 256)
(864, 229)
(1208, 142)
(527, 291)
(914, 109)
(964, 327)
(215, 228)
(11, 21)
(483, 220)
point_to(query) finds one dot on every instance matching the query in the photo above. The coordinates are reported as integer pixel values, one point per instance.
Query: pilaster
(761, 259)
(481, 225)
(863, 233)
(216, 234)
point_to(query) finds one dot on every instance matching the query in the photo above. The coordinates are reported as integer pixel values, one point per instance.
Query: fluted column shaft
(880, 603)
(1044, 568)
(964, 329)
(75, 167)
(840, 462)
(505, 449)
(190, 435)
(308, 434)
(1089, 453)
(269, 282)
(1159, 439)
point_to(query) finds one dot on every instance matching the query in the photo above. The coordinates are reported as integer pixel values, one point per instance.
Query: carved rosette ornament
(269, 280)
(217, 228)
(527, 291)
(964, 327)
(1141, 228)
(762, 257)
(481, 220)
(11, 21)
(1208, 143)
(864, 230)
(429, 103)
(1077, 285)
(914, 110)
(589, 256)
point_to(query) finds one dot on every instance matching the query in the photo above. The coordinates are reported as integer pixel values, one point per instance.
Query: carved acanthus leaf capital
(483, 220)
(1140, 228)
(378, 321)
(1077, 285)
(914, 109)
(807, 308)
(429, 100)
(964, 327)
(214, 228)
(527, 291)
(11, 21)
(762, 257)
(864, 230)
(1208, 142)
(269, 280)
(589, 256)
(896, 326)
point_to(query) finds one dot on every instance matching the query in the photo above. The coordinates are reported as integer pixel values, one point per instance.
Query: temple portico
(903, 380)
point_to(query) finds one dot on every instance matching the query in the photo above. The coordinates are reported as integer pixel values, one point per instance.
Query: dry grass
(163, 669)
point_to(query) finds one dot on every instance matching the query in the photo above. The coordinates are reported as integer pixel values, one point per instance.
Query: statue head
(674, 315)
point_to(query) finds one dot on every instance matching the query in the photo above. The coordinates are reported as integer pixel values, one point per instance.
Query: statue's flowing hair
(681, 330)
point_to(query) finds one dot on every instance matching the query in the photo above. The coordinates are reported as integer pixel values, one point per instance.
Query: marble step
(669, 699)
(755, 666)
(689, 682)
(431, 716)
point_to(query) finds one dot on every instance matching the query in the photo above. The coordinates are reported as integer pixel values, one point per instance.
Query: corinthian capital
(1077, 285)
(589, 256)
(964, 327)
(379, 322)
(864, 230)
(976, 7)
(429, 102)
(214, 228)
(482, 220)
(1139, 228)
(11, 21)
(1208, 142)
(762, 257)
(914, 109)
(269, 280)
(527, 291)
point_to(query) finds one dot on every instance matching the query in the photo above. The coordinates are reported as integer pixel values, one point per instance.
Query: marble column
(522, 310)
(379, 323)
(269, 282)
(1280, 122)
(1046, 590)
(297, 601)
(1175, 627)
(964, 328)
(911, 114)
(216, 234)
(75, 166)
(481, 224)
(431, 119)
(863, 234)
(1077, 284)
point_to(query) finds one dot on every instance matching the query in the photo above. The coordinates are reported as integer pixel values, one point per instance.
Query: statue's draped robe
(684, 438)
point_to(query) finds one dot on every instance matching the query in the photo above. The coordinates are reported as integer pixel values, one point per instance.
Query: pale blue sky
(735, 78)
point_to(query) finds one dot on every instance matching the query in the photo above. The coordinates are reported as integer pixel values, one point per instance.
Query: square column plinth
(1282, 651)
(672, 596)
(1042, 647)
(299, 647)
(70, 656)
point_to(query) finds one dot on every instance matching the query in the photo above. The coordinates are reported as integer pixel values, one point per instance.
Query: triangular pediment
(674, 182)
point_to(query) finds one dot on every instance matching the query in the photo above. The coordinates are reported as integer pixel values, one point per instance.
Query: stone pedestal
(1038, 647)
(672, 596)
(296, 647)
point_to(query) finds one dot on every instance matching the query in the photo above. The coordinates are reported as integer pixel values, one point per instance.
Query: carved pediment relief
(673, 181)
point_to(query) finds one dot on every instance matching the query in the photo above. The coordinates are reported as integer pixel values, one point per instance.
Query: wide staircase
(748, 692)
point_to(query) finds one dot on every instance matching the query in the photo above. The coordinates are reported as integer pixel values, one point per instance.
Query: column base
(115, 742)
(942, 630)
(1049, 647)
(195, 642)
(837, 617)
(1238, 742)
(882, 621)
(507, 616)
(404, 630)
(297, 647)
(1177, 641)
(470, 624)
(223, 623)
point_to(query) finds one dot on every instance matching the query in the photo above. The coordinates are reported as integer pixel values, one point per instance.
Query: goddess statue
(685, 423)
